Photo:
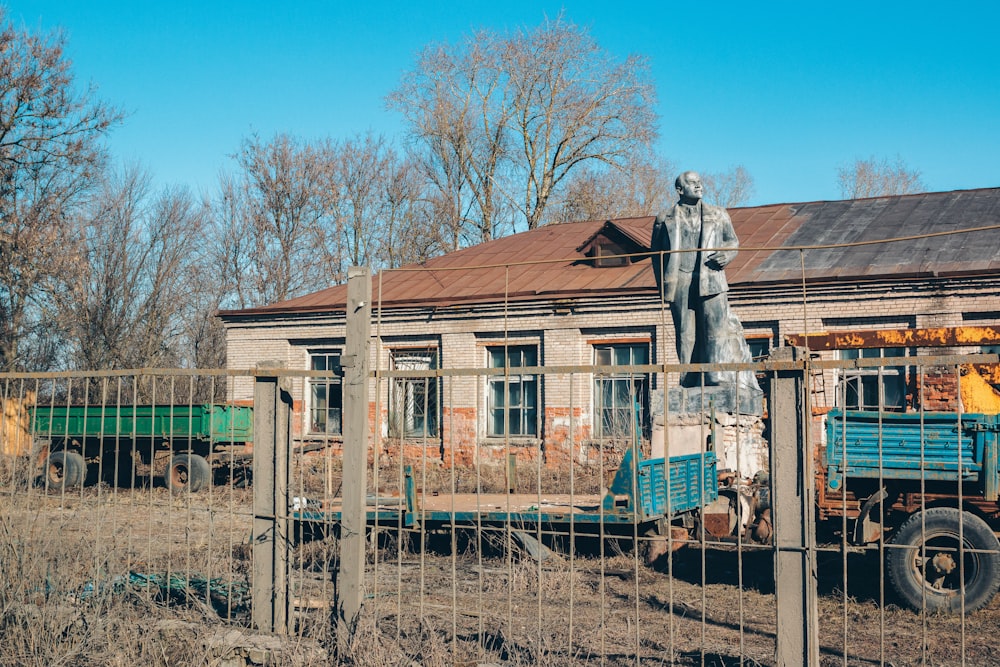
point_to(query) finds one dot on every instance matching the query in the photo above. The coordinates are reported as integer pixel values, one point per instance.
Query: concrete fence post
(355, 362)
(793, 512)
(271, 480)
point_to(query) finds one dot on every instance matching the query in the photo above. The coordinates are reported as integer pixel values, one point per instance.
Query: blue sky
(791, 90)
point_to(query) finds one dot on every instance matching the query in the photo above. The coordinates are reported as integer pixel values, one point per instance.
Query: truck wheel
(65, 469)
(188, 472)
(923, 563)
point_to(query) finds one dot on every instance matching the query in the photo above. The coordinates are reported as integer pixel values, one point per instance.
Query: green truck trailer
(185, 445)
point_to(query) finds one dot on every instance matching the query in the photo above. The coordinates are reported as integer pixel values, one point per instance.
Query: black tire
(188, 472)
(922, 562)
(65, 470)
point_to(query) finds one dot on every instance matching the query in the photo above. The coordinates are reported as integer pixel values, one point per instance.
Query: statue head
(689, 187)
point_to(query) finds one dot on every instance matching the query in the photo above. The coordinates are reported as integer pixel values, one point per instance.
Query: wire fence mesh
(516, 514)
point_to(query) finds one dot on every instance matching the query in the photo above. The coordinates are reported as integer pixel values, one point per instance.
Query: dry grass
(69, 596)
(319, 475)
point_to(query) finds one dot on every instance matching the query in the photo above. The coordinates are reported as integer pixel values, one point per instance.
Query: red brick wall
(939, 390)
(460, 443)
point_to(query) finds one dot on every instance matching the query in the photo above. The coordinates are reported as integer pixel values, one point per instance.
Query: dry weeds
(70, 595)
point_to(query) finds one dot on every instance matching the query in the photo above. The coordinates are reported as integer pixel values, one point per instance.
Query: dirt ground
(69, 559)
(694, 609)
(465, 599)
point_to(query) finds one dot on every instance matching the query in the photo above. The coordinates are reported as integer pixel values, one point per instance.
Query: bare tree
(381, 216)
(503, 119)
(363, 168)
(126, 303)
(266, 221)
(299, 213)
(360, 169)
(877, 177)
(409, 231)
(455, 100)
(50, 151)
(728, 189)
(203, 337)
(574, 104)
(642, 187)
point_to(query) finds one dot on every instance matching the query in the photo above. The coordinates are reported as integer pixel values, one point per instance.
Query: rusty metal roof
(830, 238)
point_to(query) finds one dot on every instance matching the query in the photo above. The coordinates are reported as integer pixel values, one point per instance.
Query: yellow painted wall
(978, 394)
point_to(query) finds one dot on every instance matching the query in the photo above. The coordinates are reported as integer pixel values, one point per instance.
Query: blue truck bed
(939, 446)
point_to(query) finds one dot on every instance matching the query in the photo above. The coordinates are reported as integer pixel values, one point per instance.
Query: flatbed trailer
(181, 443)
(642, 499)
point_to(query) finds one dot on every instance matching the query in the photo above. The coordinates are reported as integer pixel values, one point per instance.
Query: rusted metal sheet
(928, 337)
(839, 241)
(544, 263)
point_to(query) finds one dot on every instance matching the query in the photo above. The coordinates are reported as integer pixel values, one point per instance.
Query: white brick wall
(462, 331)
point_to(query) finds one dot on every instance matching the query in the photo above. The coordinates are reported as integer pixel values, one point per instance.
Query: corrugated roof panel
(546, 260)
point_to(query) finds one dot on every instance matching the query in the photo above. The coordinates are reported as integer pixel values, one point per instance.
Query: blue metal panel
(692, 478)
(929, 445)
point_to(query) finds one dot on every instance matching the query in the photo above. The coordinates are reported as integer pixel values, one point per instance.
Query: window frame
(608, 427)
(528, 415)
(327, 383)
(426, 387)
(854, 386)
(755, 340)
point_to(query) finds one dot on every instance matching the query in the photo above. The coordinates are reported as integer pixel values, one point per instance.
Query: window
(882, 387)
(325, 393)
(608, 253)
(617, 394)
(611, 247)
(413, 403)
(513, 398)
(760, 347)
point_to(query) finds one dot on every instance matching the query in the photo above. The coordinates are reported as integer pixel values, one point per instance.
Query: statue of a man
(692, 279)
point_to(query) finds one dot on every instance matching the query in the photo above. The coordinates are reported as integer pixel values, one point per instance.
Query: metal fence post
(350, 578)
(271, 477)
(793, 512)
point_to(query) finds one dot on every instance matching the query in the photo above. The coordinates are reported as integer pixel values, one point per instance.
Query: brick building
(881, 277)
